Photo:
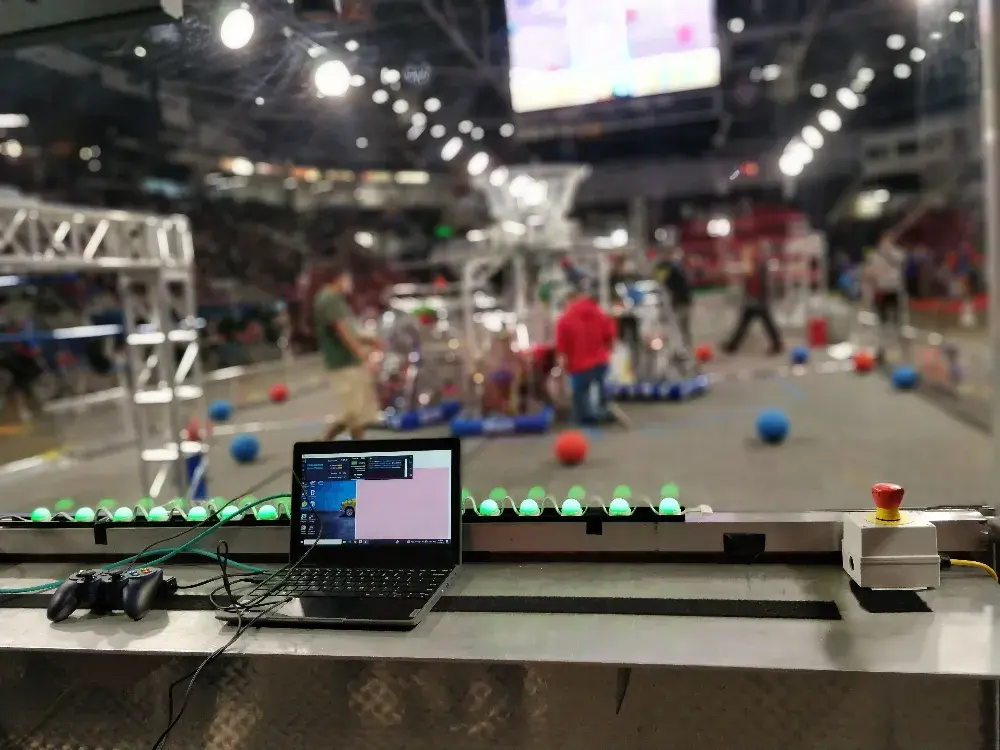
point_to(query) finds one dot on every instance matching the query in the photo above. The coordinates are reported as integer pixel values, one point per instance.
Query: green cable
(170, 552)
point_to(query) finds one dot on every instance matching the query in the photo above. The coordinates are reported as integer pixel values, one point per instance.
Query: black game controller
(132, 592)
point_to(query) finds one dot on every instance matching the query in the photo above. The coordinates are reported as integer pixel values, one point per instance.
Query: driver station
(679, 583)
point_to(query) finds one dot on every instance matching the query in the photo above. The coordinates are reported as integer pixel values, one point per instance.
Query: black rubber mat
(888, 602)
(553, 605)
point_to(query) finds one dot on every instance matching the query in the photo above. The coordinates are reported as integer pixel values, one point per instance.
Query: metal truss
(153, 259)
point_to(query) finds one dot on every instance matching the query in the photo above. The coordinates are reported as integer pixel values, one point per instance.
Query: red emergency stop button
(888, 497)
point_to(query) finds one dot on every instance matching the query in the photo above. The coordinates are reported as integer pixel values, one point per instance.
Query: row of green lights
(159, 513)
(572, 505)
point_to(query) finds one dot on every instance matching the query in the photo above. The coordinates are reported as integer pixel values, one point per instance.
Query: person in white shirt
(884, 275)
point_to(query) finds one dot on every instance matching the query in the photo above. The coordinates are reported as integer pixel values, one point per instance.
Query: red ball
(703, 353)
(864, 362)
(278, 393)
(571, 447)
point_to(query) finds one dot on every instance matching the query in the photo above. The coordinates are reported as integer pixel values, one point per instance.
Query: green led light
(466, 495)
(669, 507)
(572, 507)
(529, 507)
(123, 515)
(670, 489)
(537, 493)
(107, 503)
(622, 491)
(145, 503)
(197, 513)
(499, 494)
(489, 507)
(41, 514)
(228, 512)
(267, 513)
(577, 492)
(619, 507)
(245, 501)
(159, 513)
(65, 505)
(84, 515)
(177, 502)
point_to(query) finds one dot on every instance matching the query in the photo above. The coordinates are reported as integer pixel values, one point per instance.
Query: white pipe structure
(153, 258)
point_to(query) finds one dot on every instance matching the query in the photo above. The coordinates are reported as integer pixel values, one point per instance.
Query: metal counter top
(961, 637)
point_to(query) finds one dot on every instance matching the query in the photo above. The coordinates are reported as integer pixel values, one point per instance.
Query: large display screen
(570, 53)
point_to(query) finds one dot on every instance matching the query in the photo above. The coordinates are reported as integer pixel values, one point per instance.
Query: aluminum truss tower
(153, 260)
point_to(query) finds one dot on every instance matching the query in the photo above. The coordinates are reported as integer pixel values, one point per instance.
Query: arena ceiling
(782, 63)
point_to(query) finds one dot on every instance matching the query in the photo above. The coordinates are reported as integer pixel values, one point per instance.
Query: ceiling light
(507, 130)
(498, 176)
(316, 51)
(390, 76)
(95, 151)
(401, 106)
(351, 46)
(380, 96)
(812, 137)
(956, 16)
(140, 51)
(237, 28)
(465, 126)
(94, 165)
(259, 101)
(362, 142)
(936, 36)
(866, 74)
(478, 164)
(881, 195)
(818, 90)
(432, 105)
(790, 166)
(917, 54)
(756, 74)
(800, 151)
(437, 131)
(829, 120)
(895, 41)
(771, 72)
(419, 118)
(847, 98)
(902, 71)
(357, 80)
(451, 149)
(414, 132)
(86, 153)
(241, 167)
(477, 133)
(332, 78)
(364, 239)
(736, 25)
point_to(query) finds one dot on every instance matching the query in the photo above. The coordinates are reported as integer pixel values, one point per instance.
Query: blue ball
(904, 378)
(244, 448)
(220, 411)
(772, 426)
(799, 355)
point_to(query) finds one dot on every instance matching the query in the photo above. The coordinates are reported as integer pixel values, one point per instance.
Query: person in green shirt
(345, 354)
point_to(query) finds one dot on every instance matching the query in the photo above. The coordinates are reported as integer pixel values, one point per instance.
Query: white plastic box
(891, 556)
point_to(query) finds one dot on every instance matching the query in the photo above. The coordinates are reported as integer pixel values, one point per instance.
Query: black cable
(241, 610)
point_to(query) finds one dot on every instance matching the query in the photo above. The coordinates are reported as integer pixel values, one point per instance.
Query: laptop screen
(377, 498)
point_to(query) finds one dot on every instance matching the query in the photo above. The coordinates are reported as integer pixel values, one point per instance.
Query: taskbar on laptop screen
(387, 498)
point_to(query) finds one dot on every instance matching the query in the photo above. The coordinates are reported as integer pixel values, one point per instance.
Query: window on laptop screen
(377, 498)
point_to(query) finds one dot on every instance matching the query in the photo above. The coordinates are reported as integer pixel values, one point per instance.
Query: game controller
(132, 592)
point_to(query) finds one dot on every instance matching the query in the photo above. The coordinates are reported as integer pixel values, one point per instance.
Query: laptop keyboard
(369, 583)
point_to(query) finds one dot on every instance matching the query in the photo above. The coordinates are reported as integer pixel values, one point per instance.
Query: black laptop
(381, 521)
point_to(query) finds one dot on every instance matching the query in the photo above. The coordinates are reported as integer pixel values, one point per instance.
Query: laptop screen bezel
(378, 555)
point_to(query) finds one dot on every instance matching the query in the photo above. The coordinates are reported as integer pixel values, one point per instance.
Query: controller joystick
(132, 592)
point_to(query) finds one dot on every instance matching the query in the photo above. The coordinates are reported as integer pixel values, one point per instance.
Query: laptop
(381, 522)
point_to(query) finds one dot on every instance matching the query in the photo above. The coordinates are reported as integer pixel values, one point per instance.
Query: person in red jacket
(584, 337)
